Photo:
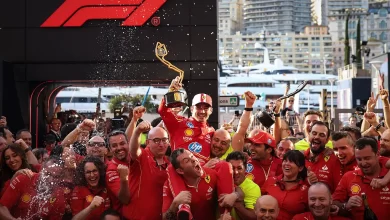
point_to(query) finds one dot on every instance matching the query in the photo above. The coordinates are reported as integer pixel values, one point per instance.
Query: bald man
(266, 208)
(147, 173)
(320, 204)
(220, 144)
(96, 147)
(385, 144)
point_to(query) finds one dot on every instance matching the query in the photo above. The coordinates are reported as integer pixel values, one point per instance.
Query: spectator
(267, 208)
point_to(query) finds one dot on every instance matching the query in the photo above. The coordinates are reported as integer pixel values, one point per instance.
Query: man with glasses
(147, 173)
(348, 193)
(96, 146)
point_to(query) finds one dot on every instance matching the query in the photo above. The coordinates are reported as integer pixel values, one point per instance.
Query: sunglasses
(96, 144)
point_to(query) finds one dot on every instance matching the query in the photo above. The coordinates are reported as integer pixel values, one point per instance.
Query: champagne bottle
(368, 213)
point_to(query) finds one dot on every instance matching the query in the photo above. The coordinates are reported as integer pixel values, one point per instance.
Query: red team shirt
(292, 201)
(259, 171)
(146, 186)
(203, 198)
(113, 182)
(326, 166)
(309, 216)
(20, 199)
(354, 183)
(82, 197)
(187, 133)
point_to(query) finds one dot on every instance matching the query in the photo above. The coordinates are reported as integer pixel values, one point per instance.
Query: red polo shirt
(187, 133)
(309, 216)
(326, 166)
(292, 201)
(146, 183)
(203, 198)
(20, 199)
(259, 171)
(82, 197)
(113, 182)
(354, 183)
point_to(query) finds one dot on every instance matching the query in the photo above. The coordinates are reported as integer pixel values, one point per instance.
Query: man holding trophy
(193, 134)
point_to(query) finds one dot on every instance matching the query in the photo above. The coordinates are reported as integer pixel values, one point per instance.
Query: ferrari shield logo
(155, 21)
(207, 179)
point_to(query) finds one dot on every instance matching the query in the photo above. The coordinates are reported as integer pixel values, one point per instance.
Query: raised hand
(123, 172)
(143, 127)
(250, 99)
(371, 103)
(384, 93)
(175, 84)
(87, 125)
(138, 112)
(370, 117)
(96, 202)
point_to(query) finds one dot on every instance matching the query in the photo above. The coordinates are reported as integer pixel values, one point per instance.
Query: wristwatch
(378, 127)
(277, 114)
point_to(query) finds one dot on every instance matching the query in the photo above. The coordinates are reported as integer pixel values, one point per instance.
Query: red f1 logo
(74, 13)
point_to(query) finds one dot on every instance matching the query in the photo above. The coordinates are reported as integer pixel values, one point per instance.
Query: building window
(383, 24)
(382, 12)
(383, 36)
(373, 35)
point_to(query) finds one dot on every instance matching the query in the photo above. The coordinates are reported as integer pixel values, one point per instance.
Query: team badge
(26, 198)
(250, 176)
(66, 190)
(52, 200)
(89, 198)
(326, 158)
(188, 132)
(355, 189)
(195, 147)
(190, 125)
(207, 179)
(249, 168)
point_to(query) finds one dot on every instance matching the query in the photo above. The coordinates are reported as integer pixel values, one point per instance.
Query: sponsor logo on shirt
(250, 176)
(249, 168)
(385, 189)
(195, 147)
(52, 200)
(26, 198)
(188, 132)
(325, 168)
(187, 139)
(89, 198)
(210, 189)
(355, 189)
(190, 125)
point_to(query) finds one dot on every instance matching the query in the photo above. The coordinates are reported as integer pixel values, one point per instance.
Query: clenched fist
(87, 125)
(138, 112)
(143, 127)
(175, 84)
(250, 99)
(96, 202)
(123, 172)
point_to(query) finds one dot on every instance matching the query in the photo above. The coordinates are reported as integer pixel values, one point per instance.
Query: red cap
(202, 98)
(262, 137)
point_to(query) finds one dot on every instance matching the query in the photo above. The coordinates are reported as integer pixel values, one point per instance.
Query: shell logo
(89, 198)
(188, 132)
(26, 198)
(355, 189)
(250, 176)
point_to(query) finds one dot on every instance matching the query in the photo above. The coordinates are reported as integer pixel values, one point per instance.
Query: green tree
(358, 45)
(132, 101)
(346, 43)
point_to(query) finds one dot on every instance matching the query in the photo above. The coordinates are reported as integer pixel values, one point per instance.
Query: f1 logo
(74, 13)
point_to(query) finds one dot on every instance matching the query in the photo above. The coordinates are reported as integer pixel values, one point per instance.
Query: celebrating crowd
(181, 168)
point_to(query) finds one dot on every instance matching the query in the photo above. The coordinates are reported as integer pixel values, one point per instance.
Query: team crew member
(263, 162)
(20, 199)
(348, 193)
(267, 208)
(283, 147)
(90, 198)
(289, 189)
(320, 160)
(117, 174)
(201, 184)
(320, 204)
(251, 191)
(310, 117)
(220, 144)
(147, 173)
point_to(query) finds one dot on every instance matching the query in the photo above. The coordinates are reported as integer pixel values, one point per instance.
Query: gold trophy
(173, 98)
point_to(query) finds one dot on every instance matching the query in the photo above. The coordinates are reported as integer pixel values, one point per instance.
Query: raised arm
(31, 159)
(371, 103)
(86, 126)
(96, 202)
(138, 112)
(384, 94)
(135, 145)
(277, 125)
(239, 136)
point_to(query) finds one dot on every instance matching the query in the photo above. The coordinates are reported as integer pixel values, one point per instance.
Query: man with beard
(37, 197)
(243, 209)
(348, 193)
(310, 117)
(385, 144)
(147, 173)
(320, 160)
(201, 185)
(267, 208)
(320, 202)
(263, 162)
